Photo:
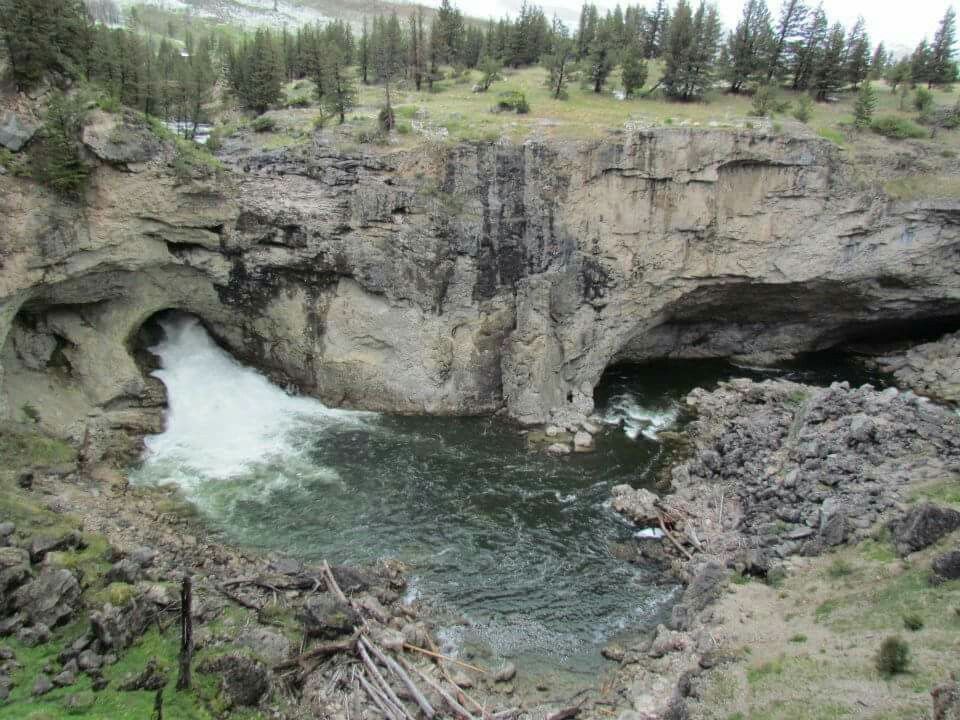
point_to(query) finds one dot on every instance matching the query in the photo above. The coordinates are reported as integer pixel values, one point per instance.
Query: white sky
(899, 25)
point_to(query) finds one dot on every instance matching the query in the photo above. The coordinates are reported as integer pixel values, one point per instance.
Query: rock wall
(462, 279)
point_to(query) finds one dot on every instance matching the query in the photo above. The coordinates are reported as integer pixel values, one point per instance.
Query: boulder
(16, 131)
(34, 635)
(506, 673)
(946, 701)
(50, 599)
(89, 660)
(144, 556)
(272, 647)
(558, 449)
(833, 523)
(119, 140)
(583, 442)
(14, 569)
(243, 681)
(921, 526)
(40, 546)
(637, 504)
(153, 677)
(324, 616)
(947, 566)
(702, 590)
(125, 571)
(117, 628)
(42, 685)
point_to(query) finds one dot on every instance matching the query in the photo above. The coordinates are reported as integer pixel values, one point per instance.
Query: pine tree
(793, 14)
(491, 72)
(599, 60)
(43, 37)
(747, 46)
(898, 73)
(559, 65)
(389, 60)
(857, 54)
(56, 158)
(655, 40)
(921, 64)
(634, 70)
(865, 105)
(691, 51)
(943, 68)
(809, 48)
(364, 54)
(339, 89)
(829, 75)
(878, 63)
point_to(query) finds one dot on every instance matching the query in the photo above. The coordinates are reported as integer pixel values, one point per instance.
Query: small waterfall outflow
(223, 418)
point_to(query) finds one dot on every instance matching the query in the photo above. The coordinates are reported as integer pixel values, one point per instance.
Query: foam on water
(624, 409)
(224, 419)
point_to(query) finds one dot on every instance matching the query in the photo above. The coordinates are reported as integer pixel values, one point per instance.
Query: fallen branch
(438, 656)
(378, 678)
(565, 714)
(454, 705)
(381, 702)
(395, 668)
(332, 584)
(672, 539)
(331, 648)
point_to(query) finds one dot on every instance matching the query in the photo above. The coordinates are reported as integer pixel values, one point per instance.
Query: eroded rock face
(462, 280)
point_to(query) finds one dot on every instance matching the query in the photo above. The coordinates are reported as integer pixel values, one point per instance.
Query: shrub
(804, 110)
(839, 568)
(109, 103)
(893, 656)
(912, 622)
(923, 100)
(192, 161)
(895, 127)
(798, 638)
(865, 105)
(264, 124)
(512, 101)
(30, 412)
(762, 103)
(298, 101)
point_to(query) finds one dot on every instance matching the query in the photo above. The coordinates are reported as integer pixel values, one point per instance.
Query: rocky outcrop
(460, 280)
(931, 369)
(781, 469)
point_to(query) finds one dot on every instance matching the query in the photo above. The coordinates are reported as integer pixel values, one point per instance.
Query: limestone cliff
(459, 279)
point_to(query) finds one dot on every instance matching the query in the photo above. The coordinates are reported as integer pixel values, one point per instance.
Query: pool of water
(513, 549)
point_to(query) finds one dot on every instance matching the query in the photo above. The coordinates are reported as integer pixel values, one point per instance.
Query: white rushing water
(626, 410)
(223, 418)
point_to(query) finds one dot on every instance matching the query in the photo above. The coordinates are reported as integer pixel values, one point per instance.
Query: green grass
(946, 492)
(922, 186)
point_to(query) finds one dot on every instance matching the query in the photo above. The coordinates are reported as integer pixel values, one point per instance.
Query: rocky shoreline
(779, 470)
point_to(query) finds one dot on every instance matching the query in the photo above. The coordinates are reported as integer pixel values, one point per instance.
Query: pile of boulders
(931, 369)
(779, 468)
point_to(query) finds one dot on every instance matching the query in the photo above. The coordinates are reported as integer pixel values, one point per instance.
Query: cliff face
(463, 279)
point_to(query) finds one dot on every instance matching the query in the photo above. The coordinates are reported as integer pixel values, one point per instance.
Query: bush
(264, 124)
(893, 657)
(895, 127)
(923, 100)
(512, 101)
(192, 161)
(298, 101)
(762, 103)
(804, 110)
(912, 622)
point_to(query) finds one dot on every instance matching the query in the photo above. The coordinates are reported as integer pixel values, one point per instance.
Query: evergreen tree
(255, 73)
(44, 36)
(658, 26)
(56, 160)
(449, 33)
(363, 56)
(633, 71)
(898, 73)
(808, 49)
(389, 61)
(747, 46)
(691, 51)
(339, 89)
(793, 14)
(559, 64)
(857, 54)
(878, 63)
(865, 105)
(599, 60)
(491, 72)
(943, 68)
(829, 74)
(921, 64)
